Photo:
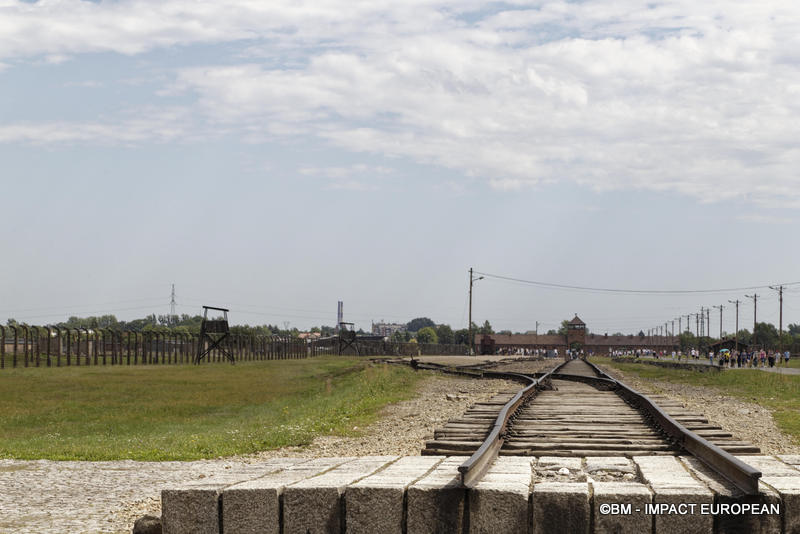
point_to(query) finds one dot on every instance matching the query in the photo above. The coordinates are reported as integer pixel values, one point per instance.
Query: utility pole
(472, 279)
(779, 289)
(172, 303)
(708, 321)
(755, 309)
(736, 335)
(702, 321)
(696, 325)
(688, 324)
(720, 307)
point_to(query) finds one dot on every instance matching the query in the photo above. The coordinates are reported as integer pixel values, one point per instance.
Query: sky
(276, 157)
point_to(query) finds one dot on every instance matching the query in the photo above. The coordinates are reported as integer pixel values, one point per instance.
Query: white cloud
(162, 126)
(695, 98)
(356, 177)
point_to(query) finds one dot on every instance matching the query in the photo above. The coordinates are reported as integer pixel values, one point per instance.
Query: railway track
(576, 410)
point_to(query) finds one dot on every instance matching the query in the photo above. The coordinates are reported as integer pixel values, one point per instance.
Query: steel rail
(741, 475)
(481, 460)
(725, 464)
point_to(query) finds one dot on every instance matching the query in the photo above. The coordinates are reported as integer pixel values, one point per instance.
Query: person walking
(786, 356)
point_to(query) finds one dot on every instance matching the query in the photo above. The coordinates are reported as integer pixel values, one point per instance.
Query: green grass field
(185, 412)
(779, 393)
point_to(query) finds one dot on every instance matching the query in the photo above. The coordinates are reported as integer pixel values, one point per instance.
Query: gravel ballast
(48, 497)
(747, 421)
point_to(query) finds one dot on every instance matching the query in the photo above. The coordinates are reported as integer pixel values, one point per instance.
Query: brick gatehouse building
(576, 338)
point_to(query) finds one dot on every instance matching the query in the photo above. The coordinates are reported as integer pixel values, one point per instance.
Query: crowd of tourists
(727, 357)
(754, 358)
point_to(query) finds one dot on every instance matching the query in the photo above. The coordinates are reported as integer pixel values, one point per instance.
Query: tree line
(419, 329)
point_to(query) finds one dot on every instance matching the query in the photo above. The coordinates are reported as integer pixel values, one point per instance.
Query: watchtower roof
(576, 321)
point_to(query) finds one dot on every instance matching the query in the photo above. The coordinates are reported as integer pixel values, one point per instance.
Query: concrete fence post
(35, 352)
(27, 337)
(86, 331)
(2, 347)
(49, 343)
(58, 345)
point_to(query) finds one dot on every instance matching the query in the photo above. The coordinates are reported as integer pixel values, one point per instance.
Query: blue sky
(277, 157)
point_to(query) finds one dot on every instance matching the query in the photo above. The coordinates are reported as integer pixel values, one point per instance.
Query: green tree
(744, 336)
(427, 335)
(414, 325)
(461, 336)
(486, 328)
(687, 341)
(398, 337)
(445, 334)
(766, 335)
(562, 330)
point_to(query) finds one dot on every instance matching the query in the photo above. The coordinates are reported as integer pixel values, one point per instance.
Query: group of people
(760, 358)
(727, 358)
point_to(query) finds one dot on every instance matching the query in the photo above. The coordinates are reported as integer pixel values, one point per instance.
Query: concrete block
(726, 493)
(435, 503)
(375, 503)
(784, 479)
(676, 490)
(191, 510)
(194, 507)
(610, 494)
(254, 506)
(499, 502)
(313, 505)
(792, 459)
(770, 466)
(561, 507)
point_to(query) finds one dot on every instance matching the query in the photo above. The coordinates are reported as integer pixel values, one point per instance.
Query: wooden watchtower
(213, 331)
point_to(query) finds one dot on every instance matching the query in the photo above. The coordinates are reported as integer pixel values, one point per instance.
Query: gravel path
(745, 420)
(46, 497)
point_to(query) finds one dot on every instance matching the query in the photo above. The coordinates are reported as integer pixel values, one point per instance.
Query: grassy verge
(778, 392)
(189, 412)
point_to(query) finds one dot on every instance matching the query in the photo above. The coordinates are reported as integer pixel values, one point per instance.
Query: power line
(627, 291)
(90, 313)
(76, 306)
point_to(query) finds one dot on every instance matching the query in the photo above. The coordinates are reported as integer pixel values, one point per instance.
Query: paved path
(704, 361)
(47, 497)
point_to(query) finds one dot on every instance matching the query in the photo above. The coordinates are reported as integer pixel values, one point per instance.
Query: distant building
(387, 329)
(309, 335)
(577, 338)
